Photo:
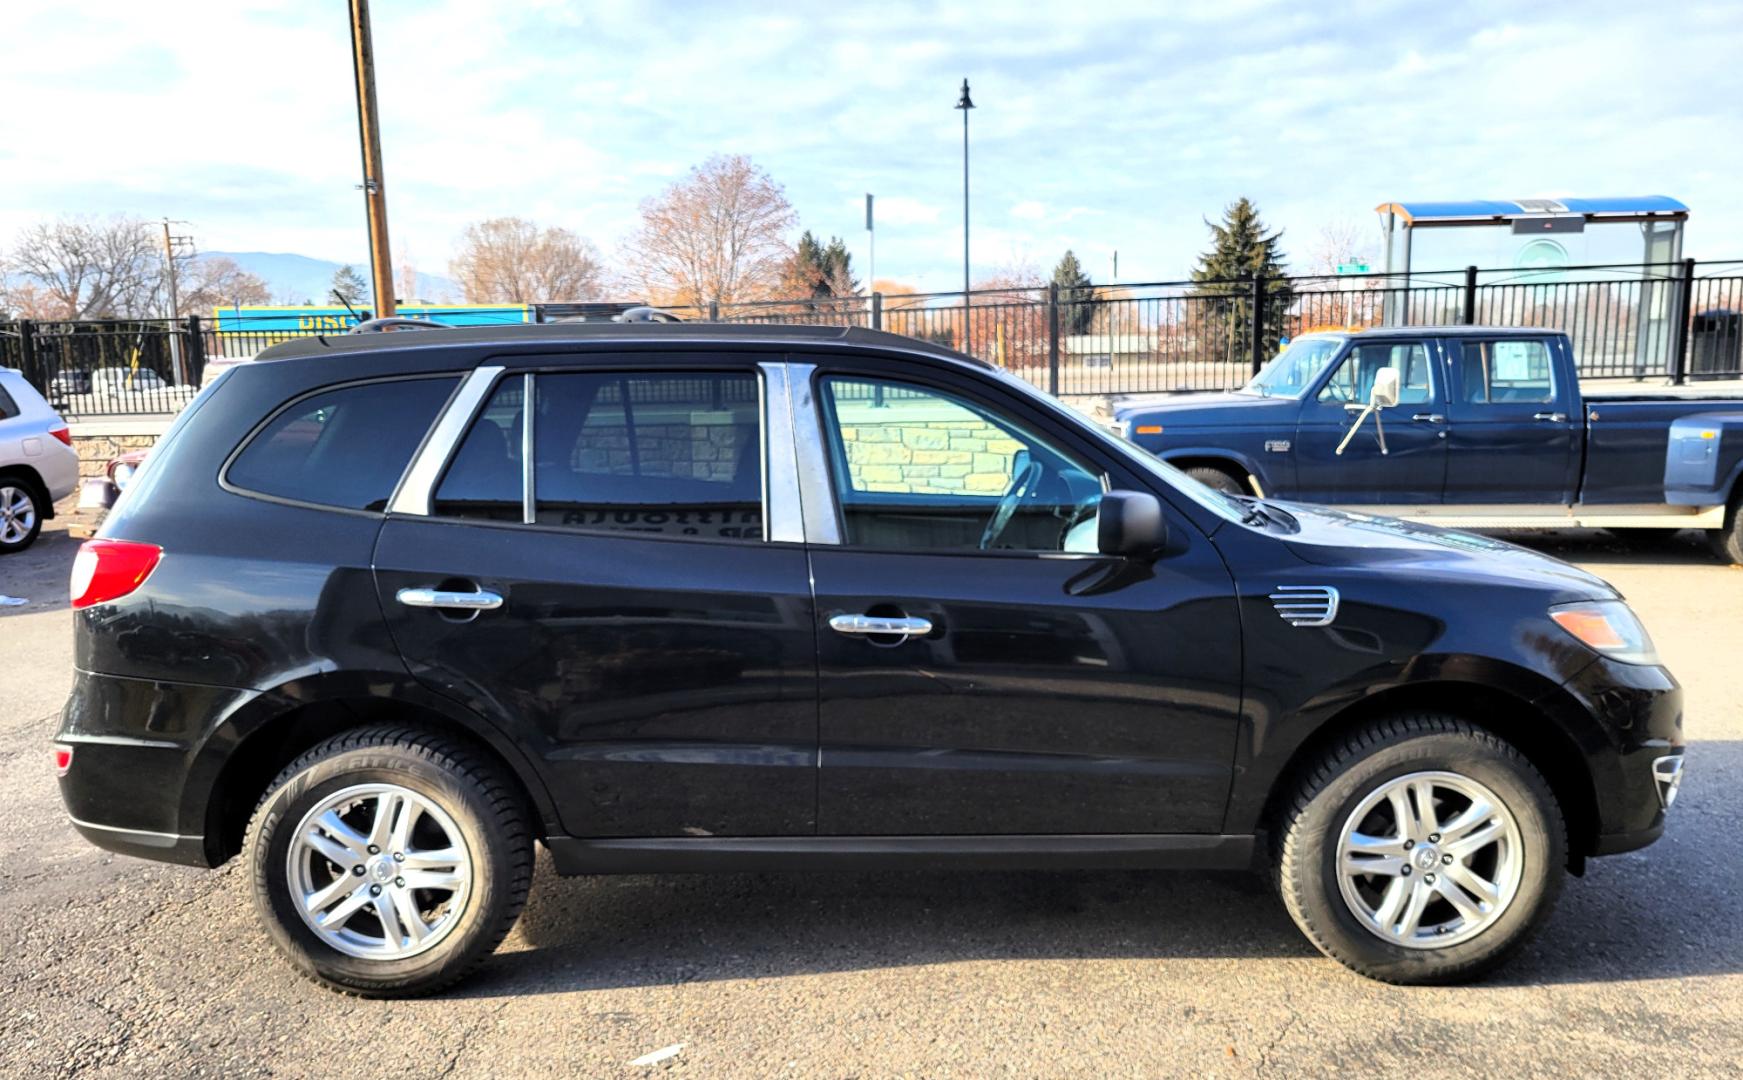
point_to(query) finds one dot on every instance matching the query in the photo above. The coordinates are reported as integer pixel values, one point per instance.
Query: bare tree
(1339, 241)
(212, 281)
(512, 260)
(719, 234)
(85, 268)
(408, 281)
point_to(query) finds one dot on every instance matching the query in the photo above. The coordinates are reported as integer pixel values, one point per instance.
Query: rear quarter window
(345, 447)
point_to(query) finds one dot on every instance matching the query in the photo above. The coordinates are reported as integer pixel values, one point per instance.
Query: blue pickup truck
(1467, 426)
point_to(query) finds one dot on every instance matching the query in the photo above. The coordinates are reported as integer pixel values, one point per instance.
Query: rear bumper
(162, 847)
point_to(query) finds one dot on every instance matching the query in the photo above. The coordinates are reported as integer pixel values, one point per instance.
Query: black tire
(481, 801)
(23, 497)
(1728, 542)
(1360, 764)
(1218, 480)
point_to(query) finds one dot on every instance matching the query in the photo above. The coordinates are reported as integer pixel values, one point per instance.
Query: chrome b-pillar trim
(782, 512)
(816, 493)
(413, 496)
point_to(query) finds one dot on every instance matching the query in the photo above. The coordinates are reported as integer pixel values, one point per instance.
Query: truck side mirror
(1384, 395)
(1130, 524)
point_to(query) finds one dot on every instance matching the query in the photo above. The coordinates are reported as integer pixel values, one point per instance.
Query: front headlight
(1609, 627)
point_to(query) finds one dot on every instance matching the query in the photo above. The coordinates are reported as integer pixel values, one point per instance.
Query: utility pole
(369, 134)
(871, 278)
(170, 244)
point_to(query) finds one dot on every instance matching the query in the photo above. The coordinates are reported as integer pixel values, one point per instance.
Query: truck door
(1514, 425)
(1413, 470)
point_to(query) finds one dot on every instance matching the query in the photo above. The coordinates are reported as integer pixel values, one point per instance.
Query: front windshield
(1293, 370)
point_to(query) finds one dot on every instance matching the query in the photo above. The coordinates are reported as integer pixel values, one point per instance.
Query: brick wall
(924, 447)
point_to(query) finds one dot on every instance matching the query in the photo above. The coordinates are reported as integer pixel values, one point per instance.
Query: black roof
(737, 335)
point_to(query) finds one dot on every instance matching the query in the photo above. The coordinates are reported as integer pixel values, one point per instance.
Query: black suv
(380, 612)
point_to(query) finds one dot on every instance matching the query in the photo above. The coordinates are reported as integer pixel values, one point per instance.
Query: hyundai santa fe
(381, 613)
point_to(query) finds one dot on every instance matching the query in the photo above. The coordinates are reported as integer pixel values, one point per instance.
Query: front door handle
(880, 624)
(1552, 417)
(482, 600)
(1428, 417)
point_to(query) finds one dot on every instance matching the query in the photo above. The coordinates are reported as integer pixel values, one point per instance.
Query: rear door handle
(1428, 417)
(482, 600)
(880, 624)
(1552, 417)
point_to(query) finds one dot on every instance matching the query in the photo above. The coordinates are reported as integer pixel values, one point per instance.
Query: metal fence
(1674, 322)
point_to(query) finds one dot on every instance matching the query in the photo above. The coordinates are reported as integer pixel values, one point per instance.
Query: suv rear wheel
(389, 861)
(20, 515)
(1421, 849)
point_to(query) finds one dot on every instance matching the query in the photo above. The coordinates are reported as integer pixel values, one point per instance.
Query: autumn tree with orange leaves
(717, 235)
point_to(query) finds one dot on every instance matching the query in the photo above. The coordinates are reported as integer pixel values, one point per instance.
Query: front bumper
(1634, 752)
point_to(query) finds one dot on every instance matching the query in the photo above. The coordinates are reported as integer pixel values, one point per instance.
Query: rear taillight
(63, 759)
(107, 570)
(63, 433)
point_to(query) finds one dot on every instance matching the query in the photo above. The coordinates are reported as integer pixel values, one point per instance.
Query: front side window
(676, 454)
(921, 469)
(1353, 381)
(1505, 372)
(344, 447)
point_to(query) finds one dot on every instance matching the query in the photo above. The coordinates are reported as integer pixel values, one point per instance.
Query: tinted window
(677, 454)
(1500, 372)
(344, 447)
(917, 468)
(8, 409)
(1354, 378)
(484, 479)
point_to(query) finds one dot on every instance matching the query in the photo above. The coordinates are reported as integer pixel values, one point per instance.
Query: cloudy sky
(1100, 126)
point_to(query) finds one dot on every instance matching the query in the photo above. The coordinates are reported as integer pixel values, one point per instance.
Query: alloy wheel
(1429, 859)
(379, 872)
(17, 514)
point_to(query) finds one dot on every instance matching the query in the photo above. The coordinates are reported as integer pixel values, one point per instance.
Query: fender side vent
(1306, 605)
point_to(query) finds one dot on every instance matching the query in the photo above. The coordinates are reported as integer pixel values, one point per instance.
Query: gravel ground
(116, 967)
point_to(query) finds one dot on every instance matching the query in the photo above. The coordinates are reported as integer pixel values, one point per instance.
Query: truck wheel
(1217, 480)
(1421, 849)
(1728, 541)
(389, 861)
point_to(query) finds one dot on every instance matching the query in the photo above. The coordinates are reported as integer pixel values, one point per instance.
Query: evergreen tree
(1076, 295)
(823, 271)
(348, 283)
(1240, 248)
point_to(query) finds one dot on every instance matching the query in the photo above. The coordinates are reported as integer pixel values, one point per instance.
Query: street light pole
(965, 103)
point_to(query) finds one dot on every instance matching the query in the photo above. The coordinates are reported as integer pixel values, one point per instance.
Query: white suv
(38, 466)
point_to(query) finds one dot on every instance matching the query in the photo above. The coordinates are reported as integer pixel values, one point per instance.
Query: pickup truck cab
(1490, 429)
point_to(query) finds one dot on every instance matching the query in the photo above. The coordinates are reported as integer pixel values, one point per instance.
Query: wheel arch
(1234, 463)
(250, 748)
(28, 475)
(1535, 731)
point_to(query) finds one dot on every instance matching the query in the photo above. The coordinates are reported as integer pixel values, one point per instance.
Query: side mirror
(1130, 524)
(1384, 395)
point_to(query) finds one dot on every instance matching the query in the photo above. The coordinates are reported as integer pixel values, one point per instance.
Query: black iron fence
(1674, 322)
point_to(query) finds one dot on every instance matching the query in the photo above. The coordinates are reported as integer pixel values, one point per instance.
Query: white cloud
(1029, 210)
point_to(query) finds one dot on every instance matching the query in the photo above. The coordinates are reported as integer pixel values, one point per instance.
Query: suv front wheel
(1421, 849)
(389, 861)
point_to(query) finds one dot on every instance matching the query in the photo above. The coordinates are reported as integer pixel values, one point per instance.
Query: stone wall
(924, 448)
(97, 445)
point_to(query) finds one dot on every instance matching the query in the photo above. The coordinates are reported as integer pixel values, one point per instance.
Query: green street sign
(1352, 268)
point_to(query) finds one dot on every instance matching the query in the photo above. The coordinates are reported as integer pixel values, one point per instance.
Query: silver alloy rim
(379, 872)
(17, 514)
(1429, 860)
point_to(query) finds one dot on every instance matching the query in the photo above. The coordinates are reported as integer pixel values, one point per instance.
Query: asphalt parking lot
(116, 967)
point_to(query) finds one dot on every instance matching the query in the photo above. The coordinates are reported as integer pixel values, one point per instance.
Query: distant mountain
(293, 279)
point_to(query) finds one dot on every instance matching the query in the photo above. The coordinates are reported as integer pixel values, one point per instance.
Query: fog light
(1668, 772)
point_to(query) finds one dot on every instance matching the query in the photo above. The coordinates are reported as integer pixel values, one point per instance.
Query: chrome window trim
(528, 508)
(413, 496)
(783, 511)
(816, 489)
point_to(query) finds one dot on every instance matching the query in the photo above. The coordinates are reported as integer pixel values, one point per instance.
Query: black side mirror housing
(1130, 524)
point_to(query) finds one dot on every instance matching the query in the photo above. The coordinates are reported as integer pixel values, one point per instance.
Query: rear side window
(344, 447)
(1497, 372)
(8, 408)
(485, 479)
(676, 454)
